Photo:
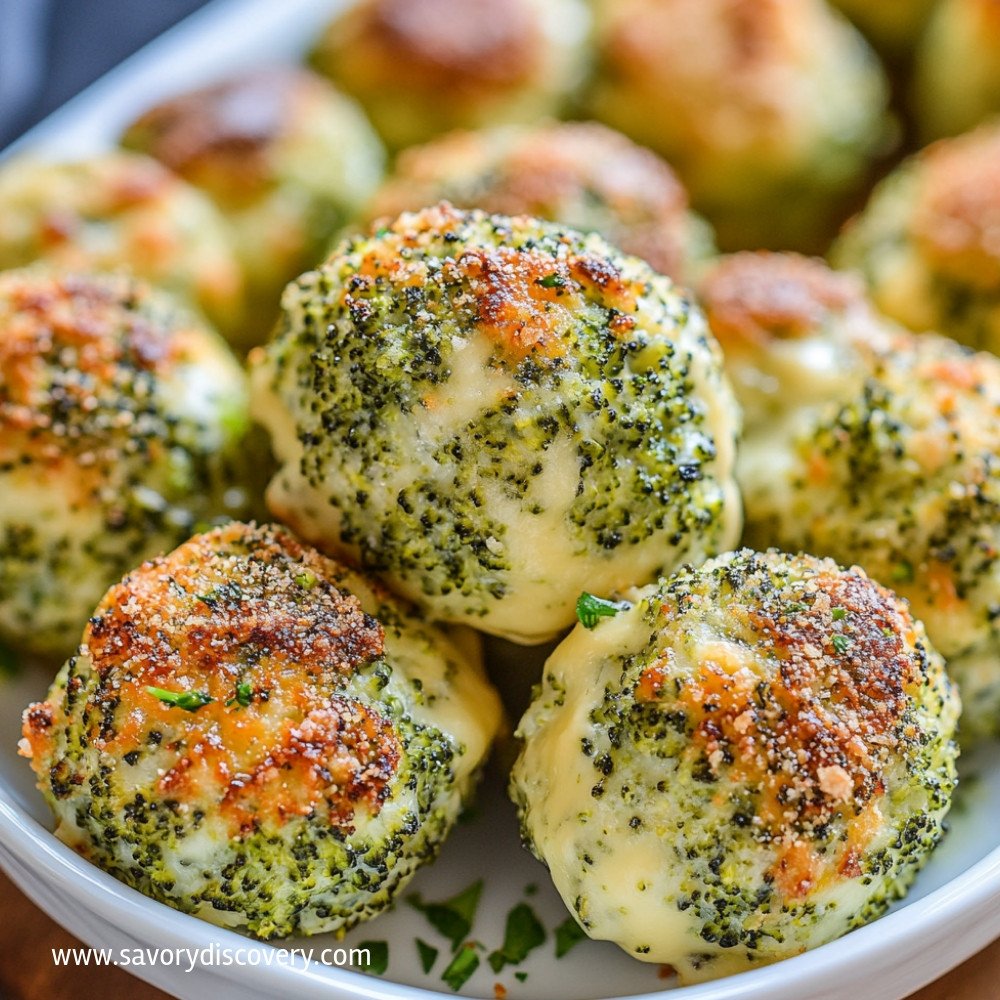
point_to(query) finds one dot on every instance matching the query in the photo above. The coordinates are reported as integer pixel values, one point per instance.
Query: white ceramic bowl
(951, 913)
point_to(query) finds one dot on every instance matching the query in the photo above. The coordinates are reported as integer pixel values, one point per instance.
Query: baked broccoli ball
(957, 71)
(902, 477)
(420, 69)
(928, 241)
(286, 158)
(752, 759)
(123, 424)
(495, 413)
(578, 173)
(122, 211)
(793, 332)
(770, 110)
(893, 26)
(259, 736)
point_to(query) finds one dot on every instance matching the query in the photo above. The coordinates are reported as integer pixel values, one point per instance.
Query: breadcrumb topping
(756, 297)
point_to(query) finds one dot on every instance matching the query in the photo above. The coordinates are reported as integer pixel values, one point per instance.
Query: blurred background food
(285, 157)
(419, 69)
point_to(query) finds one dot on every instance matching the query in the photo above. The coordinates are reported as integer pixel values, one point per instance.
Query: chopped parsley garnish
(243, 696)
(840, 643)
(428, 955)
(796, 607)
(462, 966)
(523, 933)
(888, 633)
(453, 917)
(839, 614)
(378, 956)
(520, 976)
(306, 580)
(902, 572)
(568, 935)
(190, 701)
(590, 609)
(552, 280)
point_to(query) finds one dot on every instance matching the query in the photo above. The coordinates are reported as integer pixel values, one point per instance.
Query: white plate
(951, 913)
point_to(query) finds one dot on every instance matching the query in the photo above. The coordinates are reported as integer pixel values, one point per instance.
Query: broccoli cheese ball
(122, 211)
(902, 477)
(578, 173)
(122, 425)
(793, 332)
(256, 735)
(893, 26)
(495, 413)
(751, 760)
(284, 156)
(928, 242)
(957, 72)
(768, 109)
(419, 69)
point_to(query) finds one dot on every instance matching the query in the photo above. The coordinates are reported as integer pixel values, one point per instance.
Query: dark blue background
(74, 42)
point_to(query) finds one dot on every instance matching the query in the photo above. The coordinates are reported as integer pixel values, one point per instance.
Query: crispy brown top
(579, 173)
(260, 627)
(69, 346)
(235, 595)
(752, 298)
(223, 136)
(521, 298)
(813, 736)
(456, 45)
(956, 213)
(740, 55)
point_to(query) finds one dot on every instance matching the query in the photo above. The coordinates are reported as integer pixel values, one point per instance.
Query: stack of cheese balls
(511, 386)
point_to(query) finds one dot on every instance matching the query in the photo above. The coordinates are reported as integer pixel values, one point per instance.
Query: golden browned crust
(259, 627)
(751, 44)
(451, 44)
(230, 595)
(224, 135)
(814, 738)
(522, 299)
(553, 172)
(68, 346)
(956, 214)
(755, 297)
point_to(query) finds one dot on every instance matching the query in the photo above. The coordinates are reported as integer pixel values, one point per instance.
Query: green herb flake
(243, 696)
(796, 608)
(461, 967)
(306, 580)
(552, 280)
(531, 889)
(520, 976)
(888, 633)
(902, 572)
(523, 933)
(590, 609)
(839, 614)
(190, 701)
(428, 955)
(568, 935)
(840, 643)
(378, 956)
(453, 917)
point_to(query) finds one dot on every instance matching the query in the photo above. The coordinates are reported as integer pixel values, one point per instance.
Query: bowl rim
(27, 842)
